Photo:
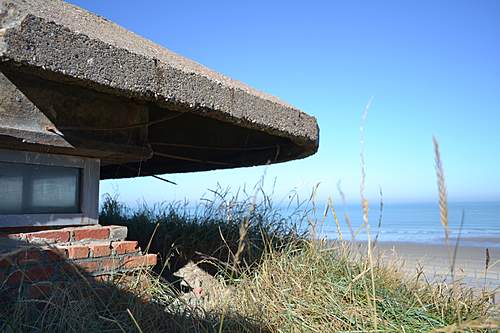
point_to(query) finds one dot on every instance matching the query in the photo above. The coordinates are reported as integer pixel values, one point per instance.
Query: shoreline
(434, 260)
(490, 242)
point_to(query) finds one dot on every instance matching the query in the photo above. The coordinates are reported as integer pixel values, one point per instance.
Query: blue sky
(433, 68)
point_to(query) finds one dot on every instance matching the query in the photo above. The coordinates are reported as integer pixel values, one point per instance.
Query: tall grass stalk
(364, 206)
(443, 195)
(295, 285)
(269, 273)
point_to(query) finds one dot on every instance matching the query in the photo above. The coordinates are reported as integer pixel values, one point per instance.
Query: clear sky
(433, 68)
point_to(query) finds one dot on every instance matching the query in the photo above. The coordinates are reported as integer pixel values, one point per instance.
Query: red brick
(140, 261)
(58, 236)
(34, 274)
(77, 252)
(40, 290)
(110, 264)
(56, 254)
(117, 232)
(89, 266)
(12, 236)
(39, 273)
(100, 250)
(28, 255)
(21, 256)
(67, 268)
(91, 233)
(123, 247)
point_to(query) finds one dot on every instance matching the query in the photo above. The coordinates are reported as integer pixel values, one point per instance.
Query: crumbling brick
(77, 251)
(117, 232)
(134, 262)
(90, 233)
(123, 247)
(52, 236)
(100, 250)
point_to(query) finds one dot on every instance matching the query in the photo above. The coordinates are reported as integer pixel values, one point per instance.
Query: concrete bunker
(82, 99)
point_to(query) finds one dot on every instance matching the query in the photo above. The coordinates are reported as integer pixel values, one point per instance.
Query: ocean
(403, 222)
(420, 223)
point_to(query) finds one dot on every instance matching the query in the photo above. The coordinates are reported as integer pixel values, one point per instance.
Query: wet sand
(470, 262)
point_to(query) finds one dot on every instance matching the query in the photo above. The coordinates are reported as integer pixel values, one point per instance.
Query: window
(46, 189)
(31, 188)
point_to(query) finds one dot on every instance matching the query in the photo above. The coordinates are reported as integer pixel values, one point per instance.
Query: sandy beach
(470, 262)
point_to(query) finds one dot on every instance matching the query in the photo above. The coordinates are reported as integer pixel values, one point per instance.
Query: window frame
(89, 190)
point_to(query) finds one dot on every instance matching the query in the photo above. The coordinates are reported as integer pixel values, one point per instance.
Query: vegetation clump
(272, 276)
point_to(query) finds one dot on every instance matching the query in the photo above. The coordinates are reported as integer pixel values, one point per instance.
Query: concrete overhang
(75, 83)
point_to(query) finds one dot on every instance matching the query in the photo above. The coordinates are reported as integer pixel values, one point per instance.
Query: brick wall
(95, 252)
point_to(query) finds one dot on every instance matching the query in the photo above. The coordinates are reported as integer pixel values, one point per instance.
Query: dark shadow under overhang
(131, 137)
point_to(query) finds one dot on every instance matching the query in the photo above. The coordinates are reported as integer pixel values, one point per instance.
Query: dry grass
(301, 285)
(272, 276)
(316, 288)
(322, 289)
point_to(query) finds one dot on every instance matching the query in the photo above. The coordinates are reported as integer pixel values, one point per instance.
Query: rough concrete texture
(61, 42)
(17, 112)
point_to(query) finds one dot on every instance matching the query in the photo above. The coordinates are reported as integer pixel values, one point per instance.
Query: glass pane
(11, 193)
(55, 189)
(31, 189)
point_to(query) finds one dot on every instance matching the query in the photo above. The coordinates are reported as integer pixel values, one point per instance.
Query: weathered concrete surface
(62, 43)
(33, 119)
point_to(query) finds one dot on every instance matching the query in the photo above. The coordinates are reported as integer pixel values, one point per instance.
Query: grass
(234, 230)
(280, 280)
(272, 275)
(321, 289)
